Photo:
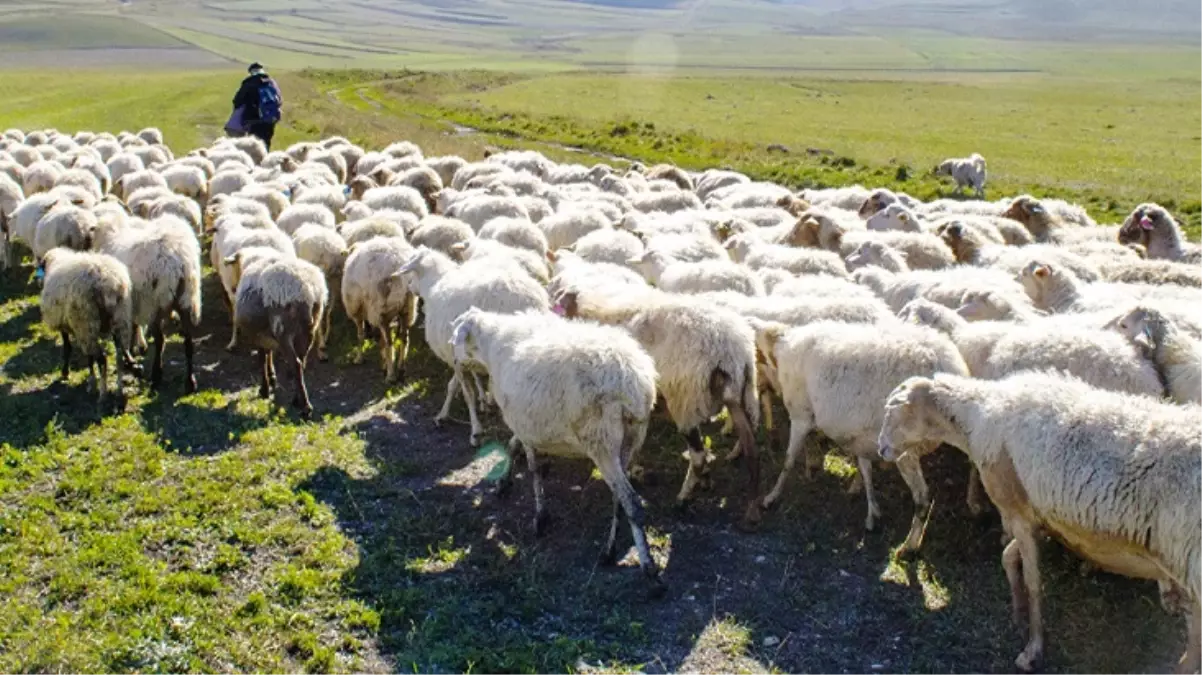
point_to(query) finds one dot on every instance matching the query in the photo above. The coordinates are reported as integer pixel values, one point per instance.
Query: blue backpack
(269, 102)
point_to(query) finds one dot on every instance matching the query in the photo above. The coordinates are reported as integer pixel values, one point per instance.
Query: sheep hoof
(540, 523)
(734, 454)
(305, 412)
(439, 421)
(656, 588)
(264, 392)
(608, 557)
(190, 384)
(322, 355)
(869, 523)
(1028, 660)
(752, 518)
(504, 485)
(474, 440)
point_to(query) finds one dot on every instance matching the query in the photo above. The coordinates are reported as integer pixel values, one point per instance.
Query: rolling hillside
(560, 34)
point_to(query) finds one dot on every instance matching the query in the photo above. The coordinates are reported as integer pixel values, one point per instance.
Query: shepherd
(256, 106)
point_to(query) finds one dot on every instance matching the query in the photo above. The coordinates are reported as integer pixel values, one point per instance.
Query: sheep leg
(185, 327)
(631, 503)
(469, 397)
(139, 346)
(324, 336)
(445, 412)
(359, 331)
(609, 552)
(742, 419)
(911, 471)
(540, 507)
(1013, 565)
(799, 428)
(300, 346)
(156, 363)
(874, 510)
(1028, 548)
(485, 399)
(766, 415)
(975, 507)
(815, 456)
(386, 352)
(271, 369)
(103, 383)
(66, 371)
(301, 398)
(1192, 659)
(697, 467)
(265, 381)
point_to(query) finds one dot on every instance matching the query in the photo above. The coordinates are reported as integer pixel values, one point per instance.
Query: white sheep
(515, 232)
(757, 254)
(608, 246)
(665, 202)
(448, 290)
(877, 253)
(187, 180)
(673, 276)
(40, 176)
(296, 215)
(834, 377)
(569, 389)
(966, 172)
(532, 263)
(1177, 356)
(570, 226)
(327, 250)
(86, 297)
(478, 209)
(441, 233)
(372, 292)
(228, 182)
(357, 231)
(569, 269)
(1116, 477)
(164, 269)
(705, 357)
(64, 225)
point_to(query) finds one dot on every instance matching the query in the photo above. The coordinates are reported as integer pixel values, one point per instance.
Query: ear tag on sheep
(1148, 334)
(346, 189)
(1145, 223)
(39, 274)
(502, 465)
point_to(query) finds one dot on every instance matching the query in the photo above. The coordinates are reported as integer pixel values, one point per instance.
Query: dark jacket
(248, 95)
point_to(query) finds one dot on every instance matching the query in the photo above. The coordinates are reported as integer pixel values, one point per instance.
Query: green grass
(216, 532)
(78, 31)
(1107, 144)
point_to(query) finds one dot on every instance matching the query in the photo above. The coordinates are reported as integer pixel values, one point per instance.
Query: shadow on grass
(194, 429)
(26, 414)
(41, 357)
(460, 581)
(18, 327)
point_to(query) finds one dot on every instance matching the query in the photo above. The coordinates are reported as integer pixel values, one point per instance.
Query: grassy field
(215, 532)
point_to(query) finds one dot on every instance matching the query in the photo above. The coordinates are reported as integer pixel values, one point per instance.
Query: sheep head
(1146, 220)
(913, 420)
(876, 201)
(986, 306)
(793, 204)
(923, 312)
(463, 328)
(805, 232)
(567, 304)
(1144, 326)
(963, 242)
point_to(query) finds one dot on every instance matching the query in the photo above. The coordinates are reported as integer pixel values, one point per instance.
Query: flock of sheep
(1062, 356)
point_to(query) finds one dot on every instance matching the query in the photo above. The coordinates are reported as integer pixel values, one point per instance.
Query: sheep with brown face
(1151, 226)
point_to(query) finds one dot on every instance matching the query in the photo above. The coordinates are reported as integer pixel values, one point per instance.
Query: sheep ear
(903, 217)
(1144, 338)
(1035, 208)
(552, 256)
(230, 260)
(1041, 271)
